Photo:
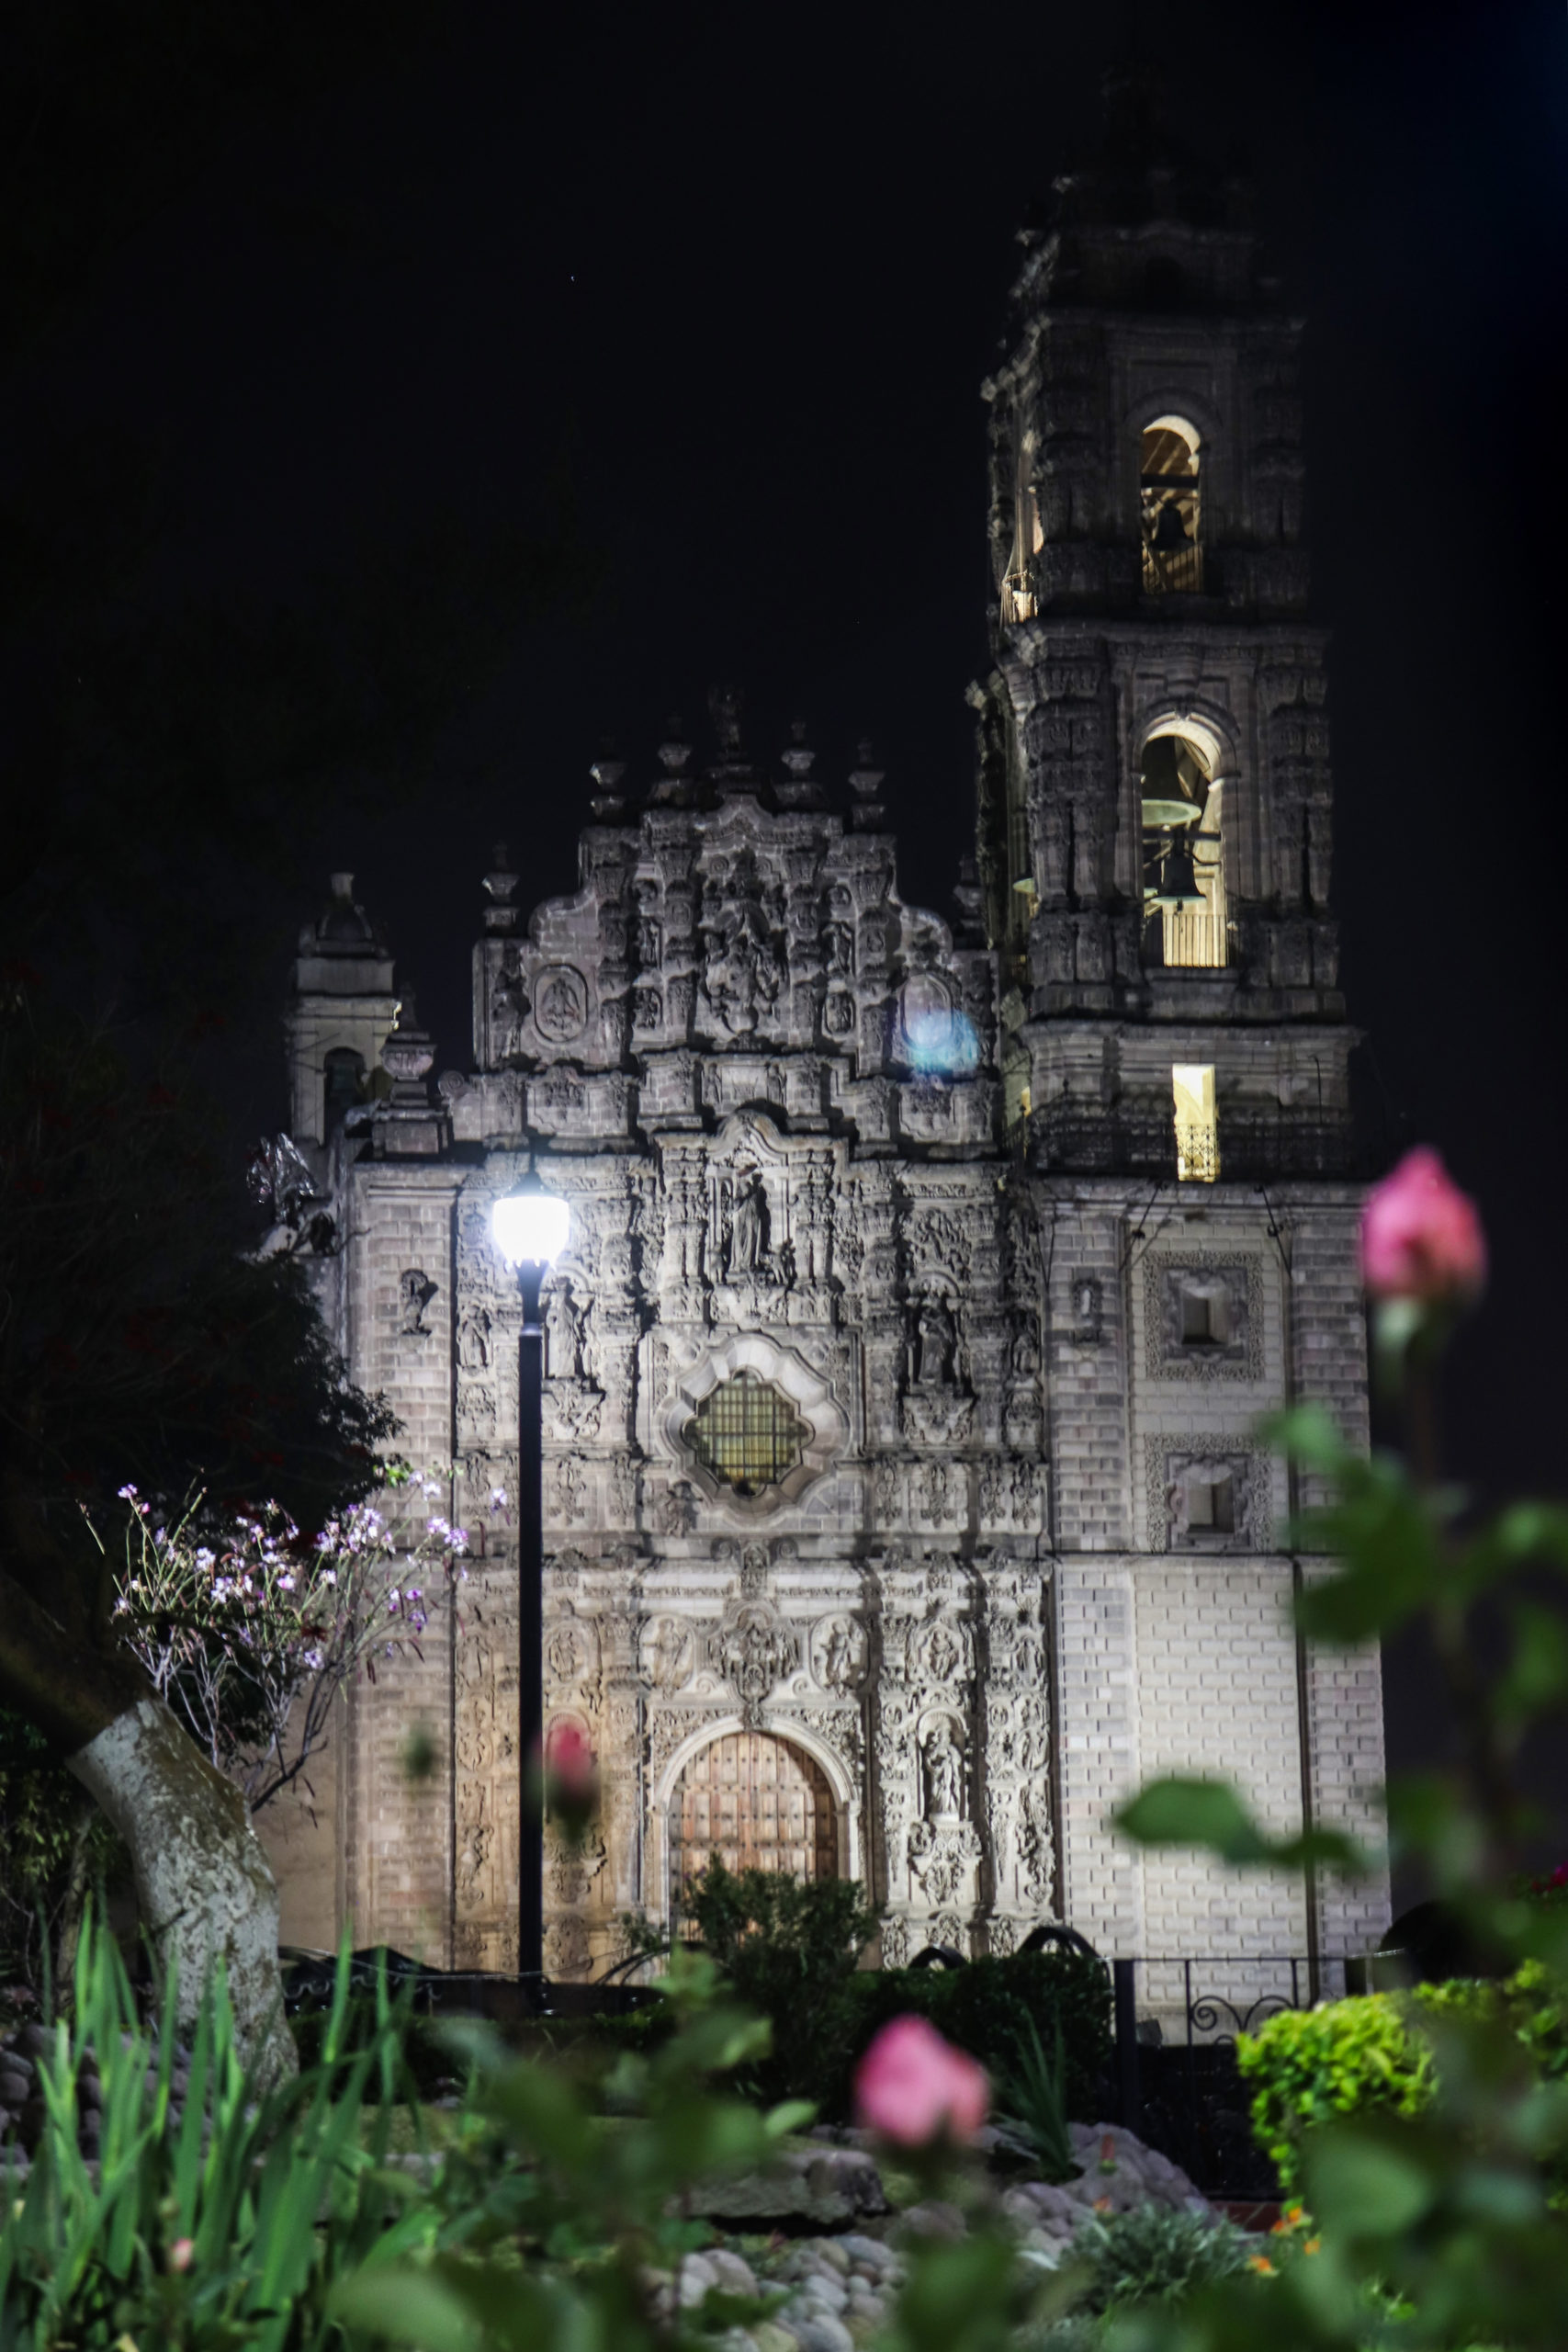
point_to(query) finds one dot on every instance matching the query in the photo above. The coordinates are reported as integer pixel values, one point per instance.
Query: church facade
(904, 1507)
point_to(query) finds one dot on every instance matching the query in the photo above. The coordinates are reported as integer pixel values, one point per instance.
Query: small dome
(344, 925)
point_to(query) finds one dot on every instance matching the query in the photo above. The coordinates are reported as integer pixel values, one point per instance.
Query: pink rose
(1421, 1237)
(570, 1772)
(913, 2086)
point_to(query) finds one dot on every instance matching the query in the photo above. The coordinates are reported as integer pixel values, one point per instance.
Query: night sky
(735, 277)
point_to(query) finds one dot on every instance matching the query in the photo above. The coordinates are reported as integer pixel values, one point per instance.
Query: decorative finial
(800, 792)
(676, 750)
(499, 883)
(724, 708)
(865, 781)
(608, 802)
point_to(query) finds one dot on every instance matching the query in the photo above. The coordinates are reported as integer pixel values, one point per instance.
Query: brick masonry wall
(1345, 1717)
(396, 1832)
(1100, 1756)
(298, 1829)
(1216, 1668)
(1082, 1243)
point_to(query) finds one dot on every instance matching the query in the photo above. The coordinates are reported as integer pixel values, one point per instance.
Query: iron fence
(1178, 2085)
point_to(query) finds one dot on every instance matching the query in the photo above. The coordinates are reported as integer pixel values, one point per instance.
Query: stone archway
(757, 1801)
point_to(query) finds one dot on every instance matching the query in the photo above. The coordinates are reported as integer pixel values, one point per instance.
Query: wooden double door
(759, 1803)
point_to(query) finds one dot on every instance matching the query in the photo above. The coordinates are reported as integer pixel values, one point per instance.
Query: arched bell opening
(1186, 916)
(757, 1801)
(1168, 507)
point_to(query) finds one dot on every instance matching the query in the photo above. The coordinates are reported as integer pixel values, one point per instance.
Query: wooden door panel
(760, 1803)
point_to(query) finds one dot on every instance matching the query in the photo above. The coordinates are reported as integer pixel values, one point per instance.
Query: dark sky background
(739, 274)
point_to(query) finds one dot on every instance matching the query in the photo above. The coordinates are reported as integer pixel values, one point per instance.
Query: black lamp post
(530, 1227)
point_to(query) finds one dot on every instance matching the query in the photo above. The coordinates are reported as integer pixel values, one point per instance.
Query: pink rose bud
(180, 2253)
(571, 1774)
(914, 2087)
(1421, 1236)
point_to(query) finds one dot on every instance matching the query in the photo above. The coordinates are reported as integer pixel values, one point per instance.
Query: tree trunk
(204, 1882)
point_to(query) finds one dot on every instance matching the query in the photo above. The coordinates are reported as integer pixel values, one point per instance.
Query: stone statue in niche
(1025, 1353)
(748, 1228)
(942, 1762)
(935, 1345)
(1088, 1310)
(473, 1339)
(415, 1291)
(564, 1322)
(508, 1007)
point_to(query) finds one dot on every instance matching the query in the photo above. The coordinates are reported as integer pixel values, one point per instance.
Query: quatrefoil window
(747, 1434)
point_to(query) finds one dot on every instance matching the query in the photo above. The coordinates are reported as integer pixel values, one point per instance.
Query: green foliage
(1155, 2254)
(1032, 2106)
(991, 2006)
(546, 2231)
(55, 1848)
(788, 1948)
(1310, 2066)
(220, 2231)
(1376, 2054)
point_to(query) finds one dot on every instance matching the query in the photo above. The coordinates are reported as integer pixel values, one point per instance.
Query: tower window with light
(1197, 1130)
(1187, 918)
(1167, 508)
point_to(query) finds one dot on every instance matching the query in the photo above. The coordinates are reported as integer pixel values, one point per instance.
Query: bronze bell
(1171, 530)
(1177, 880)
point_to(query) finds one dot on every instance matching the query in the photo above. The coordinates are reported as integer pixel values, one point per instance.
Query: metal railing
(1254, 1144)
(1185, 2096)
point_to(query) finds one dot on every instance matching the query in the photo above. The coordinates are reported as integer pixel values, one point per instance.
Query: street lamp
(530, 1227)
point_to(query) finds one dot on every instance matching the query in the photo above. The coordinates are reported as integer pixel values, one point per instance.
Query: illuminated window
(747, 1434)
(1197, 1130)
(1167, 508)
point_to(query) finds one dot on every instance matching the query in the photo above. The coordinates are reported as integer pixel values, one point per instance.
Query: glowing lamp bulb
(531, 1226)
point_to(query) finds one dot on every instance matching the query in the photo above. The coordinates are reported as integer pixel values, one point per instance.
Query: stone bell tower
(1153, 845)
(1155, 830)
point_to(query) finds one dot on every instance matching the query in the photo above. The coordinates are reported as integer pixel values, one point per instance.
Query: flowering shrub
(250, 1637)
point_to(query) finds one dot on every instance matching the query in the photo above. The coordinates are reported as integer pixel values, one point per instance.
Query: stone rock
(933, 2218)
(826, 2188)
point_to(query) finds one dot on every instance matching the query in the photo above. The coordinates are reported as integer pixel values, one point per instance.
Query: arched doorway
(757, 1801)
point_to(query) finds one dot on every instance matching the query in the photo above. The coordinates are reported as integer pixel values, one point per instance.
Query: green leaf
(1309, 1434)
(1190, 1812)
(1369, 2179)
(1184, 1811)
